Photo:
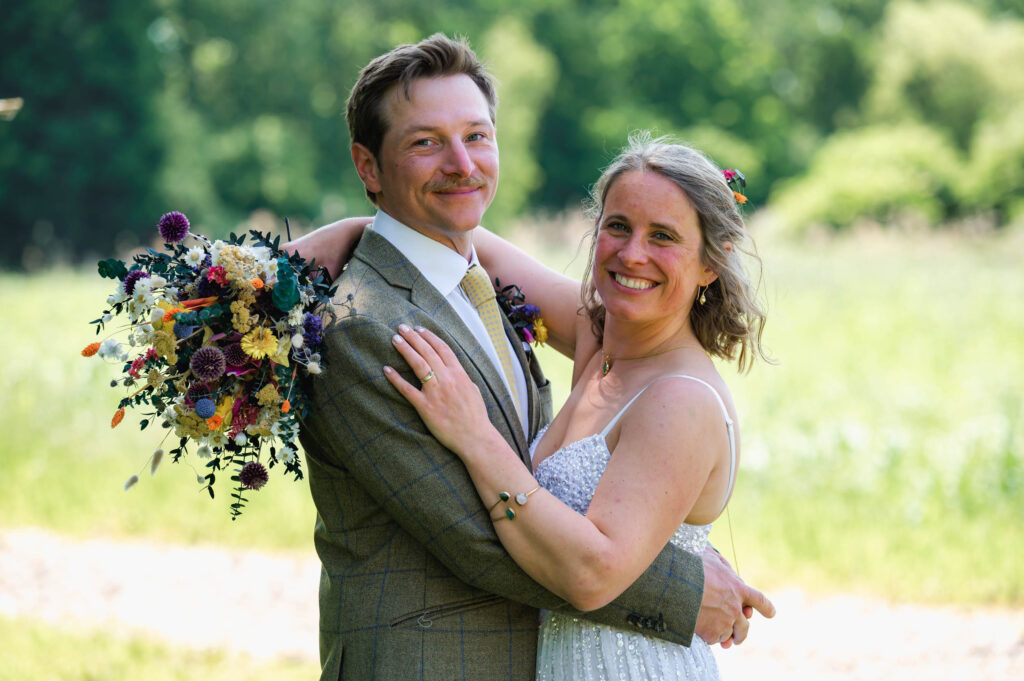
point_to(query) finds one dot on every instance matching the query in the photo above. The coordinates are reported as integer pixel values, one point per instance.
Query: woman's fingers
(420, 366)
(404, 388)
(420, 344)
(444, 352)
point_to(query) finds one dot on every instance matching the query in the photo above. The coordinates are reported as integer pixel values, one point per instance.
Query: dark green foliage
(79, 163)
(222, 108)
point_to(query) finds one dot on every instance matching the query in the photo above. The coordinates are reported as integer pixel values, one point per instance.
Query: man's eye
(475, 137)
(422, 143)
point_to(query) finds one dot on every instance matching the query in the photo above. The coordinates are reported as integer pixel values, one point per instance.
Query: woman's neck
(629, 339)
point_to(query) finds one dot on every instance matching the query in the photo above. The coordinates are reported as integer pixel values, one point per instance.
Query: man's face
(438, 162)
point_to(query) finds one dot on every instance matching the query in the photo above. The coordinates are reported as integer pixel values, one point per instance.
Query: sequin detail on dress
(571, 648)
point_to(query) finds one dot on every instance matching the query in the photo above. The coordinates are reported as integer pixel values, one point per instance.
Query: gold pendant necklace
(608, 359)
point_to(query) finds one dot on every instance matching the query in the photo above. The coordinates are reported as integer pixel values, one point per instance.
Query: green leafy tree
(77, 164)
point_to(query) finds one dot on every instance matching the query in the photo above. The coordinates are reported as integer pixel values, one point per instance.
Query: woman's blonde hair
(730, 322)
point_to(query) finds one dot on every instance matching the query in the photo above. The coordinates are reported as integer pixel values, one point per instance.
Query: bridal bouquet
(218, 337)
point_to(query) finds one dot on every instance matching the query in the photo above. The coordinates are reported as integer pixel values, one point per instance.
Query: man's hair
(435, 57)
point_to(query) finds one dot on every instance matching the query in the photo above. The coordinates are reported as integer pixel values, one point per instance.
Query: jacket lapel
(381, 255)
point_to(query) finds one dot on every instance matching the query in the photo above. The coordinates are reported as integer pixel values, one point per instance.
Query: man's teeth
(638, 284)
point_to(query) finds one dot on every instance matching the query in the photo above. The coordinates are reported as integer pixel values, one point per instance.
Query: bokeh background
(883, 143)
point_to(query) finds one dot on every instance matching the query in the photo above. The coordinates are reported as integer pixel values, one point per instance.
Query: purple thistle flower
(253, 475)
(235, 355)
(132, 278)
(195, 392)
(206, 288)
(173, 227)
(313, 329)
(208, 363)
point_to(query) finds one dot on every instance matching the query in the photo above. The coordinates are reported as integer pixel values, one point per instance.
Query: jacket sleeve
(361, 424)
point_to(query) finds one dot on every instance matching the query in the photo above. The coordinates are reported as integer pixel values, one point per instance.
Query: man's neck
(460, 242)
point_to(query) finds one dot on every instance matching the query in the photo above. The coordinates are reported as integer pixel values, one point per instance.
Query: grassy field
(884, 452)
(39, 652)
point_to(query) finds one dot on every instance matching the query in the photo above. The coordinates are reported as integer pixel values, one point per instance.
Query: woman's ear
(367, 167)
(709, 275)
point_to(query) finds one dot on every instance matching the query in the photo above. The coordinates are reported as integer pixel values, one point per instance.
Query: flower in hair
(737, 182)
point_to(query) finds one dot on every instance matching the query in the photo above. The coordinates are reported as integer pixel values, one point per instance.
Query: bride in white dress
(645, 449)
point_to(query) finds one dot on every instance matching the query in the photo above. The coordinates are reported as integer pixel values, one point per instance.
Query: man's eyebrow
(482, 122)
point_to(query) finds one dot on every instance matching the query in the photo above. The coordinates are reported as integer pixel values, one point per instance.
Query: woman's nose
(633, 251)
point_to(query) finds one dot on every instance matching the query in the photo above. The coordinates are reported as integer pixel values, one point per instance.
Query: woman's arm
(646, 491)
(330, 245)
(557, 295)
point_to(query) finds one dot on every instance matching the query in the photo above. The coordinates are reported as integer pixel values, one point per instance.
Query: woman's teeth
(638, 284)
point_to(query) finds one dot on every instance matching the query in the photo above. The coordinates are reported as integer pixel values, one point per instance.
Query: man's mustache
(472, 182)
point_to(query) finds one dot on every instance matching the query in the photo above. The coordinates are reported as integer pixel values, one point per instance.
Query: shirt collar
(439, 265)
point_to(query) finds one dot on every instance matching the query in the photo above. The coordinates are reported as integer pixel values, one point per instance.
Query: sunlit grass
(63, 467)
(883, 452)
(34, 651)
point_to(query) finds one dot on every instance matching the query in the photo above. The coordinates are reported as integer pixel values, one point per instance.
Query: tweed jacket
(415, 584)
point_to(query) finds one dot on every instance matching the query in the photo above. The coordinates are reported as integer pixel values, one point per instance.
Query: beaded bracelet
(520, 498)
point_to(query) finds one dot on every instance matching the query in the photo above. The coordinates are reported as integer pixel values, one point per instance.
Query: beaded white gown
(575, 649)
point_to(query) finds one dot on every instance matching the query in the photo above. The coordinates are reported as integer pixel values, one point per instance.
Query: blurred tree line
(836, 110)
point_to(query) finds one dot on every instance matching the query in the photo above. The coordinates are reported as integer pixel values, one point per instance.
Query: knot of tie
(477, 285)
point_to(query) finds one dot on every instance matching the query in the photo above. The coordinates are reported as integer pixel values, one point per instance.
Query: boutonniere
(525, 319)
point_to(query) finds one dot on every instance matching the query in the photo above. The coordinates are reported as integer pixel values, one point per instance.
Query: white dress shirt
(444, 269)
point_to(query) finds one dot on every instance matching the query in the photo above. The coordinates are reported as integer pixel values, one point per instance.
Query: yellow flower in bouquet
(259, 343)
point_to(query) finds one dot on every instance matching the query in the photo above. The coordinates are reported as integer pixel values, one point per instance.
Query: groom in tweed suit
(415, 584)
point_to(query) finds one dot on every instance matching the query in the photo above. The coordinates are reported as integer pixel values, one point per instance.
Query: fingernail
(420, 329)
(396, 339)
(403, 328)
(387, 369)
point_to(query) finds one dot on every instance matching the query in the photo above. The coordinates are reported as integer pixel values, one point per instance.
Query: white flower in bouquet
(285, 455)
(195, 255)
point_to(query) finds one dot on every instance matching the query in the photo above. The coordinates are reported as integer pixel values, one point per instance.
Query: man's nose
(457, 161)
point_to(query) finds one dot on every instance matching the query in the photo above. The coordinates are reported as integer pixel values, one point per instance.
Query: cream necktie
(477, 286)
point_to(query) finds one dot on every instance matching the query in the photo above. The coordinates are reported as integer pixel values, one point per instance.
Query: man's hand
(728, 603)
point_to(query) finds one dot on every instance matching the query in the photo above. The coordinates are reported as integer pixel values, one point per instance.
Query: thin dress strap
(725, 413)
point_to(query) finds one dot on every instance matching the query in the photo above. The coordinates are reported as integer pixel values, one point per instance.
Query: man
(415, 584)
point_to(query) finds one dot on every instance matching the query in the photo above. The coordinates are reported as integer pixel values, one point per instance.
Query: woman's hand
(331, 245)
(446, 399)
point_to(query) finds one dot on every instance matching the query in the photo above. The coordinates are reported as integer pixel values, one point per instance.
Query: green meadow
(883, 452)
(33, 650)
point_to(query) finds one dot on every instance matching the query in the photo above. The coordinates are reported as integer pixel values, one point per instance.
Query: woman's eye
(663, 236)
(616, 227)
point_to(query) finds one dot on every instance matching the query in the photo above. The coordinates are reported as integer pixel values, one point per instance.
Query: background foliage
(837, 111)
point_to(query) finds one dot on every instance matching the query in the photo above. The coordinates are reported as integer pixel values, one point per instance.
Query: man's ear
(366, 166)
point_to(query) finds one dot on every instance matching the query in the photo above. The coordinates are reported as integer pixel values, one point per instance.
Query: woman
(644, 450)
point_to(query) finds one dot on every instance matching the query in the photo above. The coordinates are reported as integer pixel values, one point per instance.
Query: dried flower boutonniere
(525, 318)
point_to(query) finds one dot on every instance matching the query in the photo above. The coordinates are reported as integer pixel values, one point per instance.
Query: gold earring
(703, 299)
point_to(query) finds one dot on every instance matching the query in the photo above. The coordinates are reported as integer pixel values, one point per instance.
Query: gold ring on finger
(428, 377)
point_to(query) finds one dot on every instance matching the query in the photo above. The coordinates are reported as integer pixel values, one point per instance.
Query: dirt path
(265, 605)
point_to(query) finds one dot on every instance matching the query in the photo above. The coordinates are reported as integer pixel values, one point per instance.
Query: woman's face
(647, 262)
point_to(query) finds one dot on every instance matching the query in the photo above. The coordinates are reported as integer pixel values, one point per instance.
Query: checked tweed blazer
(415, 584)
